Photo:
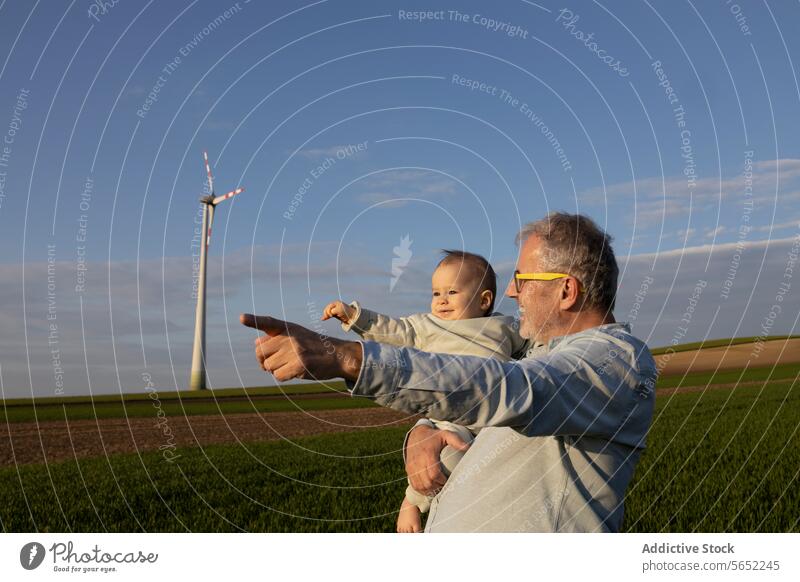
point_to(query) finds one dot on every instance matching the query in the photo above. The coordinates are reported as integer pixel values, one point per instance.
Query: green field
(176, 408)
(348, 482)
(717, 343)
(228, 401)
(334, 386)
(722, 460)
(765, 373)
(232, 401)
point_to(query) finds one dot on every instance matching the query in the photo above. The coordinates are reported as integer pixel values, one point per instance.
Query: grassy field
(175, 408)
(233, 401)
(219, 393)
(717, 343)
(771, 373)
(722, 460)
(347, 482)
(227, 401)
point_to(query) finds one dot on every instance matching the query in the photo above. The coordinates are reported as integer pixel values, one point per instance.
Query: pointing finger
(268, 325)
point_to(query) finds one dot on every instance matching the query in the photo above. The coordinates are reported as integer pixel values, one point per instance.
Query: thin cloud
(708, 248)
(660, 198)
(397, 188)
(778, 226)
(331, 152)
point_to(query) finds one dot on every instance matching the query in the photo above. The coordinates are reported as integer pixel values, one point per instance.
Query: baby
(461, 322)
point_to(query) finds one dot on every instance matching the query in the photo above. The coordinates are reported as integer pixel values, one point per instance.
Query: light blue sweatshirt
(562, 429)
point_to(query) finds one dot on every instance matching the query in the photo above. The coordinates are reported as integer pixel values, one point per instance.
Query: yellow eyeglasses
(518, 277)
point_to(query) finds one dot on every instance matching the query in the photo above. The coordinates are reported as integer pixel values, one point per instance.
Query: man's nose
(511, 289)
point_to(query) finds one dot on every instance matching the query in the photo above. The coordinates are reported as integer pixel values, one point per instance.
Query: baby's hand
(338, 310)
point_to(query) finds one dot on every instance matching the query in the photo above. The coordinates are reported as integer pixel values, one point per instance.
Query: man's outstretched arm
(573, 390)
(290, 351)
(449, 388)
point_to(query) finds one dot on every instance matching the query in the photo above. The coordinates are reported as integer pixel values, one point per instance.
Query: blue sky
(671, 125)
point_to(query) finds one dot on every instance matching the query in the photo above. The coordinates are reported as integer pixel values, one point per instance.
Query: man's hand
(423, 449)
(339, 310)
(291, 351)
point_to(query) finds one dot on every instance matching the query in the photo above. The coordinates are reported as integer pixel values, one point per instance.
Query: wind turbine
(197, 381)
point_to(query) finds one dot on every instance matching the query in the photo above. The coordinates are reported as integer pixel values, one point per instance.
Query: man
(561, 430)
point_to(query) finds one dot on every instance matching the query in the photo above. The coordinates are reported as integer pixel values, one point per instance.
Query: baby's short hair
(481, 267)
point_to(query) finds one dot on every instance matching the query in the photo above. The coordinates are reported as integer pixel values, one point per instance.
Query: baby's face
(456, 293)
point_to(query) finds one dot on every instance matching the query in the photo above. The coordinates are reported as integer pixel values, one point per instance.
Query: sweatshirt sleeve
(374, 326)
(572, 391)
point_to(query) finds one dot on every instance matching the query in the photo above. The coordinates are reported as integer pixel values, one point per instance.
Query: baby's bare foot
(409, 519)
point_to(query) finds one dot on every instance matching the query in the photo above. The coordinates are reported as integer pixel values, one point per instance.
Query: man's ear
(486, 299)
(570, 293)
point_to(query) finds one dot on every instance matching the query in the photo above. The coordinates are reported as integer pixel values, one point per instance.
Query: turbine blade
(230, 194)
(208, 171)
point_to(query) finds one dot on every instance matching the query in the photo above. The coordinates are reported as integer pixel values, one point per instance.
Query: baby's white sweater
(495, 336)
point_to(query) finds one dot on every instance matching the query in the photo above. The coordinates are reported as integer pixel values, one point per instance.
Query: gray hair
(574, 244)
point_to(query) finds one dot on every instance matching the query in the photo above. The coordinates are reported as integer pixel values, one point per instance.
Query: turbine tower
(197, 381)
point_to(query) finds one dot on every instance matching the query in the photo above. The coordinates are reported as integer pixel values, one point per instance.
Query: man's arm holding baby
(424, 442)
(422, 450)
